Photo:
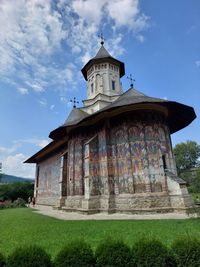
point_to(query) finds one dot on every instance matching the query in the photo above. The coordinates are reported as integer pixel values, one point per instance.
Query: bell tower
(102, 73)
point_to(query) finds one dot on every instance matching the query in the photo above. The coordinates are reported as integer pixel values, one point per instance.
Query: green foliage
(151, 253)
(33, 256)
(186, 252)
(16, 190)
(112, 253)
(2, 261)
(194, 185)
(186, 155)
(76, 253)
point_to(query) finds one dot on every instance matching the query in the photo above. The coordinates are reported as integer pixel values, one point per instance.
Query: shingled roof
(178, 115)
(102, 53)
(75, 116)
(103, 56)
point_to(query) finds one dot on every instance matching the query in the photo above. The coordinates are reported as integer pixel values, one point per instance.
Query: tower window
(92, 87)
(113, 85)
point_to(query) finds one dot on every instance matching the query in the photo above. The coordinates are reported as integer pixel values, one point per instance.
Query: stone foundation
(127, 203)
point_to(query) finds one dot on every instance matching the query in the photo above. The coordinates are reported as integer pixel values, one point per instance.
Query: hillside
(5, 178)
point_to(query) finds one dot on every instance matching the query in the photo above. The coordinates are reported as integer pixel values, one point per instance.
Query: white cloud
(64, 100)
(31, 30)
(37, 87)
(197, 63)
(9, 150)
(36, 141)
(124, 13)
(42, 102)
(12, 162)
(13, 165)
(52, 107)
(140, 38)
(89, 10)
(102, 14)
(12, 159)
(23, 91)
(36, 30)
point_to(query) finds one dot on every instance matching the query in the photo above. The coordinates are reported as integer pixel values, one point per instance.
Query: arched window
(92, 88)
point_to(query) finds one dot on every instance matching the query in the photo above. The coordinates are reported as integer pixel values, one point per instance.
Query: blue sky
(44, 44)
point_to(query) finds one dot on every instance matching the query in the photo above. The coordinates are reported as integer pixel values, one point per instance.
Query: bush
(113, 254)
(2, 260)
(5, 204)
(149, 253)
(75, 254)
(187, 252)
(18, 203)
(33, 256)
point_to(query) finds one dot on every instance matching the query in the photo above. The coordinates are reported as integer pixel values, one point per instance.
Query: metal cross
(131, 79)
(102, 38)
(74, 102)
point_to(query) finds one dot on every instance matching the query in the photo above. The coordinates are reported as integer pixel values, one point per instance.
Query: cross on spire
(131, 80)
(102, 38)
(74, 102)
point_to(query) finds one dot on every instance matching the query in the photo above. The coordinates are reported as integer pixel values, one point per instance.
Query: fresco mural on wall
(122, 165)
(78, 167)
(70, 187)
(123, 160)
(94, 166)
(138, 153)
(49, 178)
(103, 162)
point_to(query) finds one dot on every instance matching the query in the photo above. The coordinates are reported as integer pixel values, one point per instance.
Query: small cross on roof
(74, 102)
(131, 80)
(102, 38)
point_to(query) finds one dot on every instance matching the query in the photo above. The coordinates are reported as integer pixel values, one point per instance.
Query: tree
(16, 190)
(186, 155)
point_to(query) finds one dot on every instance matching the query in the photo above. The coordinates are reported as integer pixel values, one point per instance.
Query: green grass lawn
(22, 227)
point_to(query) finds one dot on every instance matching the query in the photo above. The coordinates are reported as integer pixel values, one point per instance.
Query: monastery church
(114, 154)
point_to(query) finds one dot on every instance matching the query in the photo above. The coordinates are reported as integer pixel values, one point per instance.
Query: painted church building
(114, 154)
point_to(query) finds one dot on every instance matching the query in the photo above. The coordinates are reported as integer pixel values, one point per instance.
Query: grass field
(21, 227)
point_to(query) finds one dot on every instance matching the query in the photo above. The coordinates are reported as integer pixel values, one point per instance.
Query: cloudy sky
(44, 44)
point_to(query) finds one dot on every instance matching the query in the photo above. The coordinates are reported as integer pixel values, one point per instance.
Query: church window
(113, 85)
(164, 162)
(92, 87)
